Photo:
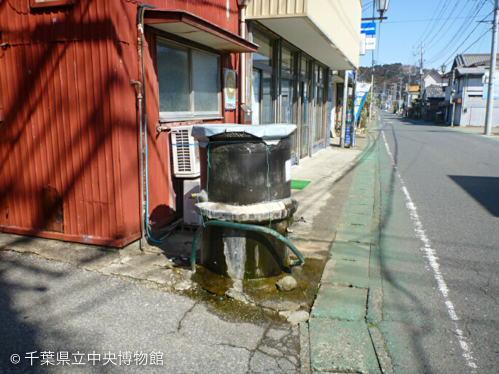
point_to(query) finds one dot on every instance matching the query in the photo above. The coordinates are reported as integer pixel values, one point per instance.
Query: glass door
(304, 120)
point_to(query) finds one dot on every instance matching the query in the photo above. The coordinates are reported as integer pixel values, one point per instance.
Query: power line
(424, 20)
(444, 51)
(451, 56)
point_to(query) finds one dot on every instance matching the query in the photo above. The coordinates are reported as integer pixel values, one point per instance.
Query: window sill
(189, 118)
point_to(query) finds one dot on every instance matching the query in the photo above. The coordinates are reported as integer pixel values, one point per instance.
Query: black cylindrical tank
(241, 169)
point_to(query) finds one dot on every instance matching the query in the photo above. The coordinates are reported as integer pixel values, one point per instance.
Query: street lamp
(382, 7)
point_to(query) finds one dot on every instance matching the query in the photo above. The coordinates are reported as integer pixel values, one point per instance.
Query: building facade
(92, 91)
(467, 96)
(294, 76)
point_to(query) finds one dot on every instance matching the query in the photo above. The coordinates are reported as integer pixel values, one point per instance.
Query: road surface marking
(432, 258)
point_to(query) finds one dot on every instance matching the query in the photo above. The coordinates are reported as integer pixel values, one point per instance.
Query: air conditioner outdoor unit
(185, 149)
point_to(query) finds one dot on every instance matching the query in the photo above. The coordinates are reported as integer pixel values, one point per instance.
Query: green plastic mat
(297, 184)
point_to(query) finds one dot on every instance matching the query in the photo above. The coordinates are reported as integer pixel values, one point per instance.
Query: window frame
(165, 116)
(36, 4)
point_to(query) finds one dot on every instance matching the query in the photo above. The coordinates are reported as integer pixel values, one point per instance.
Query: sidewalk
(477, 130)
(343, 329)
(337, 325)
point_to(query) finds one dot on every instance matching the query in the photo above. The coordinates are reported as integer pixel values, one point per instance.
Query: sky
(446, 27)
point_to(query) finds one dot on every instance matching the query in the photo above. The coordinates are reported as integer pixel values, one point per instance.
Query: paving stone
(346, 273)
(362, 200)
(357, 219)
(357, 252)
(354, 233)
(358, 209)
(339, 302)
(342, 346)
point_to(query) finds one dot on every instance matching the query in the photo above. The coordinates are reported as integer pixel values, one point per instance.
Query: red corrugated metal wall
(69, 155)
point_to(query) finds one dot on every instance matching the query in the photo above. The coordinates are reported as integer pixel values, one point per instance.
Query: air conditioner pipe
(248, 227)
(243, 66)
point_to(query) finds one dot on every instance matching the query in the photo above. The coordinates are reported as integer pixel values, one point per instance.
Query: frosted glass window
(188, 81)
(205, 81)
(173, 79)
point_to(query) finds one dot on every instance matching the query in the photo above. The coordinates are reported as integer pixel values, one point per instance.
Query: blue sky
(447, 27)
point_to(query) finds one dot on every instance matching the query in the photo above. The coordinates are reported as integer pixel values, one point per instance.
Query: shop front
(302, 46)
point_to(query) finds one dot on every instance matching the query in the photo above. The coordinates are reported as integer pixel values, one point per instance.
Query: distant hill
(386, 76)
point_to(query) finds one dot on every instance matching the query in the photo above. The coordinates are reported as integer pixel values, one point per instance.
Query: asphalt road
(55, 318)
(439, 240)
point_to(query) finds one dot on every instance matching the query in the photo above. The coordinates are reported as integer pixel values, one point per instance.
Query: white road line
(432, 258)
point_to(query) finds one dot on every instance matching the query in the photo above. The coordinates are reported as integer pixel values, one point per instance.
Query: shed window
(49, 3)
(188, 80)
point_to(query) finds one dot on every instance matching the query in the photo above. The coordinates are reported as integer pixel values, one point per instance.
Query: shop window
(288, 84)
(188, 80)
(262, 80)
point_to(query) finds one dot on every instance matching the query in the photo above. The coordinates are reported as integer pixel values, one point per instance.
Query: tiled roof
(472, 59)
(434, 91)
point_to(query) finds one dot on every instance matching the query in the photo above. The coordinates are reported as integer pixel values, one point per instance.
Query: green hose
(244, 226)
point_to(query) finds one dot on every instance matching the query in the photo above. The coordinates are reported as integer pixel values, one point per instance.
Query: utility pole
(400, 88)
(421, 83)
(453, 93)
(408, 90)
(384, 91)
(493, 61)
(372, 77)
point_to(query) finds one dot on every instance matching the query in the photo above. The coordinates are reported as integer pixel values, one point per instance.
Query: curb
(343, 333)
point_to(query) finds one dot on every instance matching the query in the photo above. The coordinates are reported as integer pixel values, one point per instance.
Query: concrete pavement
(341, 333)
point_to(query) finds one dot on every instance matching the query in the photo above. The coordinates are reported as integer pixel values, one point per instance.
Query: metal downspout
(242, 33)
(143, 131)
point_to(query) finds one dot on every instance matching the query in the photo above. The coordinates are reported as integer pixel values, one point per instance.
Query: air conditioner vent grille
(185, 151)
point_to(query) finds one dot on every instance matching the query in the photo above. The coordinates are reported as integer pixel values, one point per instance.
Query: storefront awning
(196, 29)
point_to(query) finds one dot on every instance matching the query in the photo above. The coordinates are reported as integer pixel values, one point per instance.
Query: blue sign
(368, 28)
(361, 90)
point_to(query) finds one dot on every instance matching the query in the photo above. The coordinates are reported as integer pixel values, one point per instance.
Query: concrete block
(339, 302)
(346, 273)
(358, 209)
(356, 252)
(357, 219)
(354, 233)
(341, 346)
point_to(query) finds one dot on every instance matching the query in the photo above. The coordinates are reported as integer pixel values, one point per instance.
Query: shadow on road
(482, 189)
